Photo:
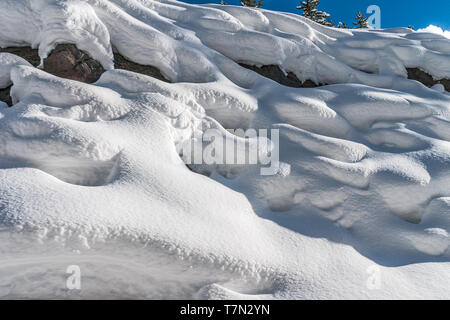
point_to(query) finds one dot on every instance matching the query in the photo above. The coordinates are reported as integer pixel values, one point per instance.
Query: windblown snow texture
(90, 174)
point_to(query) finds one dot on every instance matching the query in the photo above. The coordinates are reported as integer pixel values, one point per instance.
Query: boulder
(67, 61)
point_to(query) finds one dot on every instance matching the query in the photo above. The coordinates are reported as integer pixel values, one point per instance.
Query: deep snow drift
(90, 174)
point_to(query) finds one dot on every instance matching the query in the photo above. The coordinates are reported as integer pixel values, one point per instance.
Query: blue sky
(394, 13)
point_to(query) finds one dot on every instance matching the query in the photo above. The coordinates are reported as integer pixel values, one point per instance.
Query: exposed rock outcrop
(290, 79)
(275, 73)
(120, 62)
(426, 79)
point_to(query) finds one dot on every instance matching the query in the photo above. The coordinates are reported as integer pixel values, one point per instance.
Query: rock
(29, 54)
(290, 79)
(5, 96)
(426, 79)
(67, 61)
(276, 74)
(120, 62)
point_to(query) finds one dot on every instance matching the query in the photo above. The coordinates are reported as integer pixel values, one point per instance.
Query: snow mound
(91, 174)
(435, 29)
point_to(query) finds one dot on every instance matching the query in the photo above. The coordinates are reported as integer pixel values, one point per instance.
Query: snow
(90, 174)
(7, 62)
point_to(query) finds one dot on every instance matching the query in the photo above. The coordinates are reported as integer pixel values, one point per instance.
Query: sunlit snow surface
(90, 174)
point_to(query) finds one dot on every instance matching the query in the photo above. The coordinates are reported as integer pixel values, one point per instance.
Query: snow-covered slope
(90, 174)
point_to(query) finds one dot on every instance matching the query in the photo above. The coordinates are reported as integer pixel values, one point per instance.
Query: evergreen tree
(310, 11)
(223, 3)
(252, 3)
(329, 23)
(361, 21)
(308, 8)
